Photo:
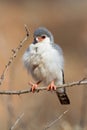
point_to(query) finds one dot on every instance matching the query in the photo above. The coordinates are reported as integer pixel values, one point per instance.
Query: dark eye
(43, 37)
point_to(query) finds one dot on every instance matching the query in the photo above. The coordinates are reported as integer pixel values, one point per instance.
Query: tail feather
(63, 98)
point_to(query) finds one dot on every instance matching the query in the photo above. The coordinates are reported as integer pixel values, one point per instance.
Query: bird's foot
(51, 86)
(33, 86)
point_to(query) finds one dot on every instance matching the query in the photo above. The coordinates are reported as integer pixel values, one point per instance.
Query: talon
(51, 86)
(33, 86)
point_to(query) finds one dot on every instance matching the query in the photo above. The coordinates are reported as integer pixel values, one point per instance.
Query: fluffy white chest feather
(44, 62)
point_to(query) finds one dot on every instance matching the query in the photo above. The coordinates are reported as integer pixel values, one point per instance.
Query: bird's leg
(51, 86)
(34, 86)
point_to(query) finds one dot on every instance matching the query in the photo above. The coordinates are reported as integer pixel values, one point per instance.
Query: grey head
(42, 32)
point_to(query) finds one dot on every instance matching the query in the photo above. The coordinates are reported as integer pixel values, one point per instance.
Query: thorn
(2, 77)
(13, 50)
(27, 31)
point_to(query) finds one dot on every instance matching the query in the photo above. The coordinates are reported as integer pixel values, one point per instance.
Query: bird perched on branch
(44, 60)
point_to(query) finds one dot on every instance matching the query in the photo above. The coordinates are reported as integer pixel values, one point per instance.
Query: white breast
(44, 62)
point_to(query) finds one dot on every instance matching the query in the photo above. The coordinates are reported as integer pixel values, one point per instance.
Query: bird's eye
(43, 37)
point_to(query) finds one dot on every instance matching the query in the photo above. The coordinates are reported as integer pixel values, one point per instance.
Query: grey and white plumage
(44, 60)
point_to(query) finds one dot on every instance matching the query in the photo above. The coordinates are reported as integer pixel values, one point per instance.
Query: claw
(51, 86)
(33, 86)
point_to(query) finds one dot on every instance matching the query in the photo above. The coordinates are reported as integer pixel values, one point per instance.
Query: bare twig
(17, 121)
(20, 92)
(57, 119)
(14, 54)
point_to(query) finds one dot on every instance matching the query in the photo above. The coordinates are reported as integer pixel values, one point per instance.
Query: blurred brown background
(67, 20)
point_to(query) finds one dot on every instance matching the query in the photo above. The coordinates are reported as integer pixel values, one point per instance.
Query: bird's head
(42, 35)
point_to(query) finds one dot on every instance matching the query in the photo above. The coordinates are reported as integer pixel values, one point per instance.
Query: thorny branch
(14, 54)
(20, 92)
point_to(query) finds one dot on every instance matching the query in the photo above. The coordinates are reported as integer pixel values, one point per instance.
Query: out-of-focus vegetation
(67, 20)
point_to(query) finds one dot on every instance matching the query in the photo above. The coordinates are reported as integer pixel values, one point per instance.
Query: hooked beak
(35, 41)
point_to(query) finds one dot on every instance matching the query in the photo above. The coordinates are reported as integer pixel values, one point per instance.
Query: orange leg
(51, 86)
(34, 86)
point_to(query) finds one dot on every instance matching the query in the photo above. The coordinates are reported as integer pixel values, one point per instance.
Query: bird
(44, 60)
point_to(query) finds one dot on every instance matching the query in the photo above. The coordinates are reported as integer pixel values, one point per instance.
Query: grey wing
(60, 53)
(63, 77)
(58, 48)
